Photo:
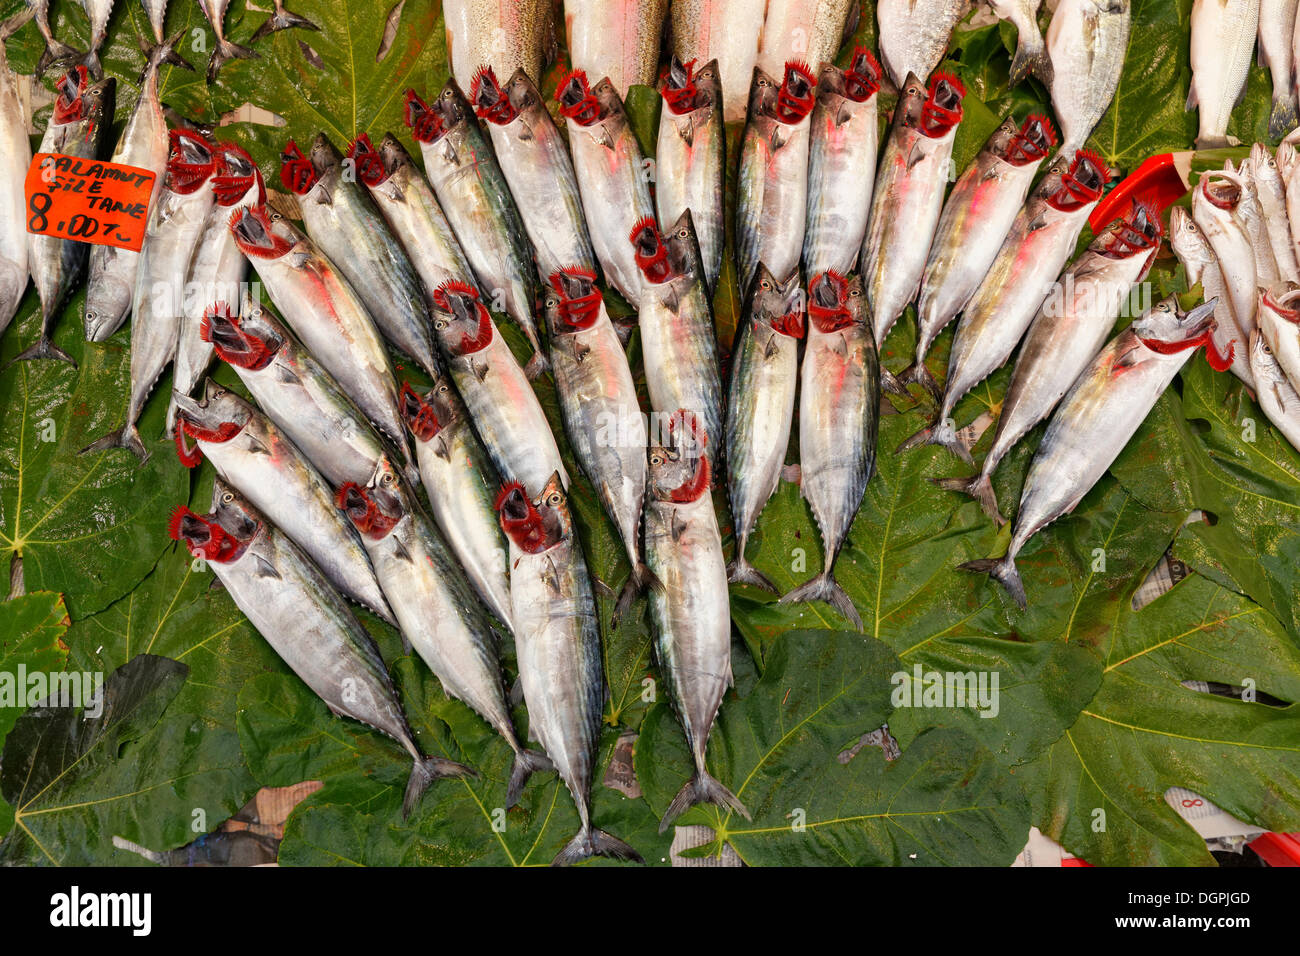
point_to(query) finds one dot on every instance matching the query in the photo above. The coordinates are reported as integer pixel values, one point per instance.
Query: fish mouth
(677, 85)
(364, 511)
(522, 521)
(649, 251)
(239, 175)
(254, 234)
(797, 94)
(190, 161)
(233, 342)
(367, 161)
(577, 101)
(1032, 141)
(1279, 298)
(863, 75)
(68, 106)
(1200, 320)
(424, 122)
(204, 536)
(1223, 190)
(297, 172)
(489, 99)
(828, 296)
(460, 303)
(578, 300)
(419, 414)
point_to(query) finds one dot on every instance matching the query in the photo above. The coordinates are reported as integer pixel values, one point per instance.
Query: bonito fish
(462, 485)
(281, 19)
(1277, 19)
(601, 416)
(79, 127)
(616, 38)
(1096, 419)
(772, 184)
(436, 609)
(807, 30)
(1071, 326)
(1031, 51)
(908, 196)
(1277, 396)
(843, 146)
(914, 35)
(726, 31)
(15, 154)
(839, 413)
(348, 228)
(98, 12)
(535, 160)
(557, 638)
(612, 174)
(1040, 242)
(215, 11)
(476, 200)
(1086, 41)
(305, 621)
(760, 406)
(979, 213)
(691, 611)
(518, 35)
(690, 156)
(501, 403)
(1223, 42)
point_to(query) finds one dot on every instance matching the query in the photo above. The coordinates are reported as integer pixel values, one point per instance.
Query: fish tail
(641, 579)
(1030, 58)
(979, 487)
(527, 763)
(92, 64)
(1212, 142)
(282, 19)
(890, 383)
(940, 433)
(128, 436)
(56, 53)
(43, 349)
(15, 23)
(425, 772)
(227, 50)
(592, 842)
(1002, 570)
(538, 365)
(825, 588)
(1285, 114)
(164, 52)
(701, 788)
(920, 375)
(740, 571)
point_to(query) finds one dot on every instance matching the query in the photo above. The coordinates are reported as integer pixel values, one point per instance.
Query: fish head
(424, 122)
(573, 301)
(460, 319)
(206, 537)
(577, 100)
(248, 341)
(1264, 164)
(1285, 159)
(217, 417)
(649, 251)
(1221, 190)
(677, 85)
(233, 512)
(238, 180)
(1032, 141)
(1080, 184)
(1167, 329)
(68, 105)
(191, 161)
(683, 247)
(1186, 237)
(611, 104)
(367, 161)
(835, 302)
(428, 414)
(679, 469)
(1139, 233)
(260, 232)
(99, 102)
(861, 78)
(523, 92)
(780, 305)
(394, 156)
(797, 95)
(762, 93)
(942, 109)
(490, 99)
(1263, 363)
(376, 507)
(1282, 299)
(538, 524)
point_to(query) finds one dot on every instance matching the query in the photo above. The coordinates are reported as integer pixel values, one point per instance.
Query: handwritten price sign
(102, 203)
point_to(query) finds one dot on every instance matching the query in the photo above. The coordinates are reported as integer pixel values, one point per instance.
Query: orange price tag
(89, 201)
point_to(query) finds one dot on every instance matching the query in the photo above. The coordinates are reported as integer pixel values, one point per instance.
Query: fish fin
(916, 155)
(1002, 570)
(890, 383)
(740, 571)
(287, 376)
(92, 64)
(400, 550)
(537, 366)
(480, 369)
(641, 579)
(825, 588)
(580, 350)
(552, 577)
(43, 349)
(265, 569)
(56, 53)
(258, 447)
(527, 763)
(939, 433)
(979, 487)
(701, 788)
(1211, 142)
(920, 375)
(516, 695)
(1192, 101)
(677, 527)
(425, 772)
(282, 19)
(1284, 116)
(686, 130)
(1030, 58)
(228, 51)
(164, 52)
(442, 449)
(128, 436)
(591, 842)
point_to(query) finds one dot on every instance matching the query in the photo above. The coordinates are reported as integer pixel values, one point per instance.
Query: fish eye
(684, 234)
(443, 388)
(765, 285)
(555, 498)
(656, 459)
(388, 478)
(855, 292)
(440, 324)
(228, 497)
(552, 302)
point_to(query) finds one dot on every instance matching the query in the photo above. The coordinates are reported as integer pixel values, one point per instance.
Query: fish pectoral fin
(1191, 99)
(258, 447)
(915, 155)
(686, 131)
(1129, 360)
(400, 551)
(265, 569)
(480, 369)
(287, 376)
(600, 136)
(677, 527)
(580, 350)
(839, 345)
(552, 576)
(441, 448)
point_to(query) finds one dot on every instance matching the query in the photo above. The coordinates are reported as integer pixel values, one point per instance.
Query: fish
(722, 30)
(78, 127)
(1215, 203)
(306, 622)
(281, 19)
(535, 161)
(324, 312)
(691, 156)
(557, 640)
(1099, 414)
(691, 612)
(1031, 51)
(217, 269)
(907, 199)
(175, 225)
(1271, 192)
(258, 460)
(914, 35)
(844, 140)
(98, 12)
(462, 485)
(1201, 265)
(1274, 391)
(349, 230)
(1251, 215)
(612, 175)
(1279, 324)
(474, 196)
(806, 30)
(1086, 43)
(1040, 242)
(772, 183)
(15, 154)
(839, 418)
(1277, 20)
(760, 406)
(976, 218)
(55, 51)
(1288, 165)
(1070, 328)
(215, 11)
(410, 208)
(598, 404)
(616, 38)
(295, 391)
(436, 609)
(519, 35)
(679, 347)
(1223, 40)
(156, 11)
(110, 280)
(501, 404)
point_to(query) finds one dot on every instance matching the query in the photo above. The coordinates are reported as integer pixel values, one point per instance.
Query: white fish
(1223, 39)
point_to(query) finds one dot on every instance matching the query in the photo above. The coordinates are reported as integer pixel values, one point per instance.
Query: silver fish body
(616, 38)
(15, 154)
(1271, 192)
(1223, 42)
(807, 30)
(1250, 212)
(1086, 41)
(1201, 265)
(726, 31)
(505, 36)
(1031, 51)
(1276, 395)
(156, 11)
(1277, 19)
(1215, 203)
(914, 35)
(1279, 323)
